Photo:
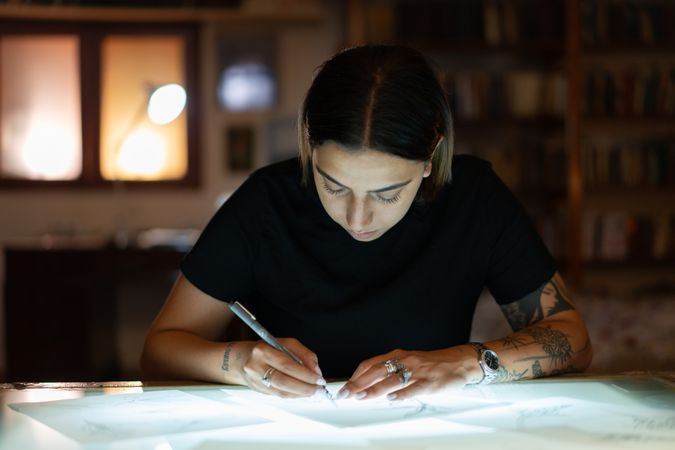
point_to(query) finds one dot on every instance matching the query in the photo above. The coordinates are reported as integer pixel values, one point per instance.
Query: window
(76, 107)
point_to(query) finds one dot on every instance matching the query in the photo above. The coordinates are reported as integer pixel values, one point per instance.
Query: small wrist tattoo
(226, 358)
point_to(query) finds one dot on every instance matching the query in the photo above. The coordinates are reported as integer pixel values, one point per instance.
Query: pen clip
(239, 305)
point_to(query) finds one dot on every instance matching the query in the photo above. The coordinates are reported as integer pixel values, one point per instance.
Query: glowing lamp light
(142, 155)
(166, 103)
(50, 153)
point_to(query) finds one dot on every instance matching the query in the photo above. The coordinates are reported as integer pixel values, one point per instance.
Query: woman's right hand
(273, 372)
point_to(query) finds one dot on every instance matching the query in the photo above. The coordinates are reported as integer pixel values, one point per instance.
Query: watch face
(491, 360)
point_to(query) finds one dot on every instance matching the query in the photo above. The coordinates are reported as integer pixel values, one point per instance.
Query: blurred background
(125, 124)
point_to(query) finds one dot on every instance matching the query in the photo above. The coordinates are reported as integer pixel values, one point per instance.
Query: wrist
(234, 356)
(471, 367)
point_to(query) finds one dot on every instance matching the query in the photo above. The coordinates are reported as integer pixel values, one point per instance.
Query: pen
(250, 320)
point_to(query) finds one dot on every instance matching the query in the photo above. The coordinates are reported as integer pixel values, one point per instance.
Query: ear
(427, 169)
(428, 164)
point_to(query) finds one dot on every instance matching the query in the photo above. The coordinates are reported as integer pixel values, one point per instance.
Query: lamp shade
(166, 103)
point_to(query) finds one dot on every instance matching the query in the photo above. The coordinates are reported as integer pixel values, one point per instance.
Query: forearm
(174, 354)
(556, 345)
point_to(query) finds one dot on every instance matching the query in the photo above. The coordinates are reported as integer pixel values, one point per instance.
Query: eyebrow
(384, 189)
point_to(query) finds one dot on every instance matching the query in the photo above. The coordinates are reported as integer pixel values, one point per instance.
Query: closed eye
(389, 200)
(332, 191)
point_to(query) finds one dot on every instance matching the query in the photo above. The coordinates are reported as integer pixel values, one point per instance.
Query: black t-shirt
(273, 247)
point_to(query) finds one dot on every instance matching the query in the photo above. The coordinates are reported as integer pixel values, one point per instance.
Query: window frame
(91, 34)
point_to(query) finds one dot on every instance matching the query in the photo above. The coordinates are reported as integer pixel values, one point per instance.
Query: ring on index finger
(266, 379)
(393, 366)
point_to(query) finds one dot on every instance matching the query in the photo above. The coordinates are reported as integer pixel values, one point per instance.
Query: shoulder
(469, 166)
(279, 177)
(279, 171)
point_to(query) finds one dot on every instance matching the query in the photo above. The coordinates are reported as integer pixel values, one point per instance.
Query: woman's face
(366, 192)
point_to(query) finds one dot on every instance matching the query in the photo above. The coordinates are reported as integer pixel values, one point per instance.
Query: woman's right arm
(184, 344)
(183, 341)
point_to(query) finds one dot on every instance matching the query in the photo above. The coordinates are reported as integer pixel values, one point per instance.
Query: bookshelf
(573, 101)
(628, 136)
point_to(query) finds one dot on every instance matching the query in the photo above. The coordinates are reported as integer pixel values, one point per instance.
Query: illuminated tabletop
(609, 412)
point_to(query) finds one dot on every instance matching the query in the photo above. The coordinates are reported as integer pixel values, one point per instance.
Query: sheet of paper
(351, 412)
(103, 418)
(565, 412)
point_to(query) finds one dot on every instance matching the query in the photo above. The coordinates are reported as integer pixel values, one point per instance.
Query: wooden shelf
(284, 12)
(630, 265)
(509, 122)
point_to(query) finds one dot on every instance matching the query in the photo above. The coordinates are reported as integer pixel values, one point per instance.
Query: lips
(362, 235)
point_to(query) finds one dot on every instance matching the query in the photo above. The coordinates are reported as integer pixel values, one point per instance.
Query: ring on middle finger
(393, 366)
(405, 375)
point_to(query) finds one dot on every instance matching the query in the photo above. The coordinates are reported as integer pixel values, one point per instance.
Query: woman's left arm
(549, 338)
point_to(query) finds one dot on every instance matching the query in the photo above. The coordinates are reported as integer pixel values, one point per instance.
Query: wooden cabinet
(69, 313)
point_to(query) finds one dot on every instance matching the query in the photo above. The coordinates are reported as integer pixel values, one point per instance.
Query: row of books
(622, 236)
(628, 21)
(526, 165)
(516, 93)
(486, 22)
(630, 91)
(629, 164)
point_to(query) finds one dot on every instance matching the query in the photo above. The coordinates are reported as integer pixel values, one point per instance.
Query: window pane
(132, 146)
(41, 125)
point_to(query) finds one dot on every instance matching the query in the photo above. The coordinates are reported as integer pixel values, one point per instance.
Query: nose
(359, 214)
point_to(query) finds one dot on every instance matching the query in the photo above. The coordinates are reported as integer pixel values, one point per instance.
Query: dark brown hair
(382, 97)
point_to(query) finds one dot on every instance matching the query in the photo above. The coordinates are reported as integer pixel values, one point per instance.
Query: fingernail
(344, 393)
(360, 395)
(392, 396)
(321, 382)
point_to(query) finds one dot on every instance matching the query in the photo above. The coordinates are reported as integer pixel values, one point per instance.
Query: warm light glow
(246, 86)
(40, 108)
(142, 155)
(50, 153)
(128, 65)
(166, 103)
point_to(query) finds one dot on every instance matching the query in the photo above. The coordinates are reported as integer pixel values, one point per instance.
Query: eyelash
(389, 201)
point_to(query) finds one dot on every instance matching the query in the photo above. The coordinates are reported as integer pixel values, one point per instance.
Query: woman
(369, 255)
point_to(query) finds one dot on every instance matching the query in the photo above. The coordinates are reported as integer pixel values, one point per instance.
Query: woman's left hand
(403, 374)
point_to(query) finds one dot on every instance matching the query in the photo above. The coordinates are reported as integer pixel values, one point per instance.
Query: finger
(283, 385)
(386, 385)
(413, 389)
(308, 357)
(355, 386)
(374, 361)
(266, 355)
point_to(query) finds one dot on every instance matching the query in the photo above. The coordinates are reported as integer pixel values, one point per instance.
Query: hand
(285, 377)
(430, 372)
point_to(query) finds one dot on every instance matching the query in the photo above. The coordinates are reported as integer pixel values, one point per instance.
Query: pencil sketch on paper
(103, 418)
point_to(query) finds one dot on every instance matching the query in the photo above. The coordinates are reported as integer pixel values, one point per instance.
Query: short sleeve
(220, 263)
(519, 262)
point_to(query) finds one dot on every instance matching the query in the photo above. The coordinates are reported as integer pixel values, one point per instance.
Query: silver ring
(266, 379)
(405, 375)
(393, 366)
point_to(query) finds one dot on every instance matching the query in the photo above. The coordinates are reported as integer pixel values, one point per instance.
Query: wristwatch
(488, 361)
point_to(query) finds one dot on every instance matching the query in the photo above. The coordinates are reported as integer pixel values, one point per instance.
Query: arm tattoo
(226, 358)
(549, 299)
(537, 371)
(504, 375)
(554, 343)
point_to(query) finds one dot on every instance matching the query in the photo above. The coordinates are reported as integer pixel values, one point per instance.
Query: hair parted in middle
(381, 97)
